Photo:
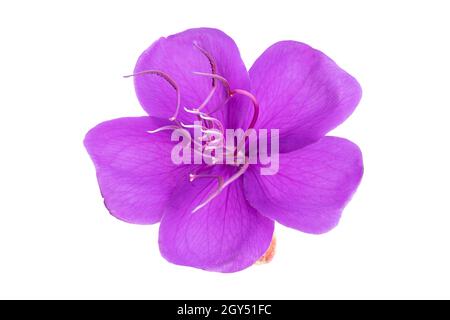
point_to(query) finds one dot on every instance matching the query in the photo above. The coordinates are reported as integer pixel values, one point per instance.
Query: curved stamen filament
(221, 105)
(233, 178)
(208, 98)
(193, 126)
(192, 111)
(210, 197)
(163, 129)
(198, 114)
(255, 105)
(211, 60)
(213, 120)
(212, 132)
(193, 176)
(213, 65)
(216, 76)
(220, 183)
(239, 173)
(207, 132)
(210, 120)
(166, 77)
(234, 92)
(198, 147)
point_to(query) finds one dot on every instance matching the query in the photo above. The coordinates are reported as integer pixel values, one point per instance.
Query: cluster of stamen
(212, 129)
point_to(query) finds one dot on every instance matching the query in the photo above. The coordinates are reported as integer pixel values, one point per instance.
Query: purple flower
(199, 75)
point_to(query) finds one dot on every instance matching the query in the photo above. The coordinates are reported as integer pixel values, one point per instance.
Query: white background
(61, 64)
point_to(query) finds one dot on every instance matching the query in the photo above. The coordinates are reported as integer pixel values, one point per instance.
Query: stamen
(193, 176)
(193, 111)
(239, 173)
(212, 196)
(211, 60)
(212, 131)
(221, 105)
(216, 76)
(213, 65)
(234, 92)
(193, 126)
(233, 178)
(197, 146)
(197, 113)
(166, 77)
(208, 98)
(205, 117)
(163, 129)
(214, 121)
(255, 105)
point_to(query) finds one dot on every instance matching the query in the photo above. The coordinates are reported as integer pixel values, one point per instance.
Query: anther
(216, 76)
(166, 77)
(255, 105)
(163, 129)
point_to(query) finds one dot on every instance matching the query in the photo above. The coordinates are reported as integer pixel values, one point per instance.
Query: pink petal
(302, 92)
(177, 56)
(227, 235)
(312, 187)
(134, 168)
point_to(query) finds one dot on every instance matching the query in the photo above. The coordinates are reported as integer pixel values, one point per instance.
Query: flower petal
(227, 235)
(312, 187)
(178, 57)
(134, 168)
(302, 92)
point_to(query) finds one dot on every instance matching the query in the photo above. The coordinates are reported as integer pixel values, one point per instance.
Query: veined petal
(301, 92)
(226, 235)
(134, 168)
(178, 57)
(312, 187)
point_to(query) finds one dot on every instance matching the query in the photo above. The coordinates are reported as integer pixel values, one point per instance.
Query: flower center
(212, 129)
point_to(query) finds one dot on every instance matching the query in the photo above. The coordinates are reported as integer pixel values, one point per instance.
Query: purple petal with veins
(215, 216)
